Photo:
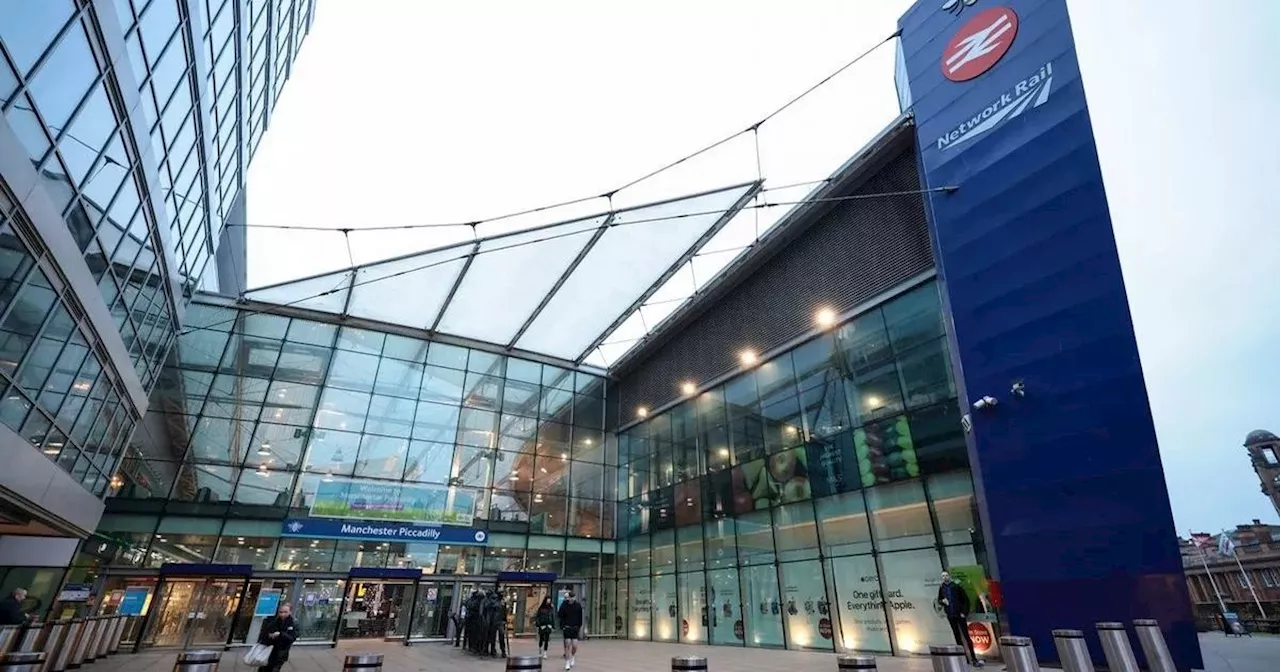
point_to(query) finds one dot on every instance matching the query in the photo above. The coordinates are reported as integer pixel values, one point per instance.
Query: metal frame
(675, 267)
(564, 277)
(457, 282)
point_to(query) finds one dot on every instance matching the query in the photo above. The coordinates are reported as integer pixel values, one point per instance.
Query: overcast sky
(412, 112)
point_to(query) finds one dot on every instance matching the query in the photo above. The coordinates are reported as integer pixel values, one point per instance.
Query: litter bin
(197, 661)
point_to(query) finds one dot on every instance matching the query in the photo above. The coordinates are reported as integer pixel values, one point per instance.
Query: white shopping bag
(257, 655)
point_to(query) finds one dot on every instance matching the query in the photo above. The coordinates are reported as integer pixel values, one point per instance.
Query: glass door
(523, 600)
(318, 609)
(431, 613)
(195, 612)
(261, 600)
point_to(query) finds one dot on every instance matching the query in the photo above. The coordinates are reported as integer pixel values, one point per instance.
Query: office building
(927, 364)
(1263, 448)
(126, 131)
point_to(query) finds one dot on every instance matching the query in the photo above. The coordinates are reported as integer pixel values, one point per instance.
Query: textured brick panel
(846, 256)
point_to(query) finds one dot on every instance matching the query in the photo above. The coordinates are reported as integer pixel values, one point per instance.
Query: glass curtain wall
(809, 503)
(254, 412)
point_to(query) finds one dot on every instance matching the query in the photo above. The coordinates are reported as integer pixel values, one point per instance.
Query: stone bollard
(948, 658)
(197, 661)
(1116, 648)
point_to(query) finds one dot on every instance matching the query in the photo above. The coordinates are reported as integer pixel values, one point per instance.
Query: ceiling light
(748, 357)
(873, 401)
(825, 317)
(642, 412)
(688, 387)
(724, 452)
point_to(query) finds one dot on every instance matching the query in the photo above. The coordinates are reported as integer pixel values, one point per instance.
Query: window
(1269, 454)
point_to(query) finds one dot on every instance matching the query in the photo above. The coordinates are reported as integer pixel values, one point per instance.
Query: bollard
(23, 661)
(62, 659)
(851, 663)
(104, 637)
(1072, 651)
(80, 655)
(1115, 647)
(117, 632)
(32, 637)
(524, 663)
(54, 641)
(1153, 646)
(8, 637)
(948, 658)
(1019, 654)
(91, 649)
(197, 661)
(368, 662)
(688, 664)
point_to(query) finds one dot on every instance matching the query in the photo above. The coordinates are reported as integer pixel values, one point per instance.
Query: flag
(1202, 540)
(1225, 545)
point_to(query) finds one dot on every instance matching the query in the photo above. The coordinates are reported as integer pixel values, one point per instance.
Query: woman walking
(545, 620)
(278, 632)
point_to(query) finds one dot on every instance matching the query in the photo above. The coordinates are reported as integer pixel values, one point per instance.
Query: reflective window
(64, 78)
(29, 27)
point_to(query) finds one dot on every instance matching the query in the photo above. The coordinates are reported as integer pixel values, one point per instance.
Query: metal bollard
(197, 661)
(1116, 648)
(81, 655)
(851, 663)
(688, 664)
(369, 662)
(1019, 654)
(62, 659)
(91, 649)
(54, 641)
(948, 658)
(117, 632)
(524, 663)
(104, 637)
(32, 637)
(23, 661)
(8, 637)
(1072, 651)
(1153, 646)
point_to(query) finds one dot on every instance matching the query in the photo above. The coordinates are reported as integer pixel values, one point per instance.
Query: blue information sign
(364, 530)
(134, 601)
(268, 603)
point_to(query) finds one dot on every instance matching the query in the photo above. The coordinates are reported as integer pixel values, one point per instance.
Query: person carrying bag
(274, 640)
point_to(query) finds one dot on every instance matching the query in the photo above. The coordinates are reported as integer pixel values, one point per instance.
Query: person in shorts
(570, 616)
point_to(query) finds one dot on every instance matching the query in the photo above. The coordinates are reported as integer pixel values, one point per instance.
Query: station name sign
(363, 530)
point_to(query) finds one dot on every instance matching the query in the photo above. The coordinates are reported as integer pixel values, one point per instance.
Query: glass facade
(808, 503)
(132, 115)
(57, 390)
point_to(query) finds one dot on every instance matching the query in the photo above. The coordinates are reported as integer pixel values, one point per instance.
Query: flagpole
(1204, 559)
(1247, 581)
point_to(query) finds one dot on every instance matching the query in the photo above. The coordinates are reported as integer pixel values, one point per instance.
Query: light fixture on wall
(642, 412)
(688, 388)
(825, 317)
(748, 357)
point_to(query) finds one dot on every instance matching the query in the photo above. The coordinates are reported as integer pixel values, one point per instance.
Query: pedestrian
(571, 626)
(279, 633)
(955, 604)
(11, 608)
(545, 620)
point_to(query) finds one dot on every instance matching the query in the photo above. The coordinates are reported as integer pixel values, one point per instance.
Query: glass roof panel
(408, 291)
(510, 277)
(637, 249)
(326, 293)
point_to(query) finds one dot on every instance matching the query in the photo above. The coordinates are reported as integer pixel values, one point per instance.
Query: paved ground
(1256, 654)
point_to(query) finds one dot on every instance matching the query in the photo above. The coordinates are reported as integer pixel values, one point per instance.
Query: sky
(409, 112)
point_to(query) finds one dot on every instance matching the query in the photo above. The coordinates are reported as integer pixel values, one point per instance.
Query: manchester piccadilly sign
(364, 530)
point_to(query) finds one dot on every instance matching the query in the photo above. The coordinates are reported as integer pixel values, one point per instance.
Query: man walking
(955, 603)
(570, 615)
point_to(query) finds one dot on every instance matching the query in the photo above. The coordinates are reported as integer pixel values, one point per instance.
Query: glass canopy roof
(558, 290)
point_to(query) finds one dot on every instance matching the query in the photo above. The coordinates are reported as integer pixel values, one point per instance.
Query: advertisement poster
(861, 604)
(641, 608)
(973, 578)
(135, 601)
(694, 616)
(781, 478)
(910, 582)
(885, 452)
(724, 607)
(664, 608)
(413, 503)
(833, 465)
(805, 608)
(762, 606)
(268, 603)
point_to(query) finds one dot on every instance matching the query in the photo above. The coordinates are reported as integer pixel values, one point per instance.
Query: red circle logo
(980, 44)
(980, 635)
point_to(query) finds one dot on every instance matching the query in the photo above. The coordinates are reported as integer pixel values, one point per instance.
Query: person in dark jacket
(571, 626)
(278, 632)
(955, 604)
(545, 621)
(11, 608)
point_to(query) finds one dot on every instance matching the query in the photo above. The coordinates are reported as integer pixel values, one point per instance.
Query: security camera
(1019, 389)
(985, 403)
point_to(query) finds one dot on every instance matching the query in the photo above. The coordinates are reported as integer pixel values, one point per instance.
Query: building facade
(125, 131)
(1264, 456)
(927, 364)
(1213, 575)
